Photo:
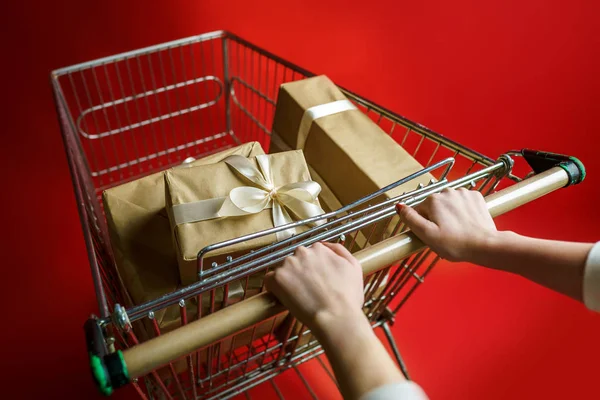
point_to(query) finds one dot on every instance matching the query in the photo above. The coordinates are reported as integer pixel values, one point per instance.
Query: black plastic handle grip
(541, 161)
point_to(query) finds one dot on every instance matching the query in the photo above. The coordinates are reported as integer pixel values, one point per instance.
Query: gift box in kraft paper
(346, 151)
(196, 198)
(330, 203)
(141, 238)
(349, 151)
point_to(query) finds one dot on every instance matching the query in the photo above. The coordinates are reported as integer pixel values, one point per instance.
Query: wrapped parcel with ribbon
(141, 240)
(213, 203)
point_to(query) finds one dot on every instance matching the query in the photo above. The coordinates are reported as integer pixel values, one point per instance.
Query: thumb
(339, 250)
(272, 285)
(421, 226)
(269, 281)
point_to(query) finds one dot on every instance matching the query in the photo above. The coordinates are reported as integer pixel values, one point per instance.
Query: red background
(491, 75)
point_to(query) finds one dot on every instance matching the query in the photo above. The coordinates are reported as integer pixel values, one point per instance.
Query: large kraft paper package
(351, 153)
(346, 151)
(142, 244)
(209, 182)
(331, 203)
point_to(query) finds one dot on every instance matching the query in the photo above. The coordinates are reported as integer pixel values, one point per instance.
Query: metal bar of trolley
(156, 352)
(277, 251)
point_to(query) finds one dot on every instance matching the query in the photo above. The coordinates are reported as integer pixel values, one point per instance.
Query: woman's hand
(453, 223)
(456, 225)
(321, 286)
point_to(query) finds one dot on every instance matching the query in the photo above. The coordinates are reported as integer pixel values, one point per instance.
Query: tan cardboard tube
(148, 356)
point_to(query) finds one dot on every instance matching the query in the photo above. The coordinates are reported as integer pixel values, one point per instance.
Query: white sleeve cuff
(591, 279)
(407, 390)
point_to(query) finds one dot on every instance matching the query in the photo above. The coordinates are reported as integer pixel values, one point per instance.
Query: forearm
(554, 264)
(359, 360)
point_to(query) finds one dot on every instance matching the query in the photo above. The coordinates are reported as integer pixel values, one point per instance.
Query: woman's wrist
(358, 357)
(486, 248)
(333, 327)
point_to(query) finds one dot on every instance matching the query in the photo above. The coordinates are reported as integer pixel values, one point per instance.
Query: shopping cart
(132, 114)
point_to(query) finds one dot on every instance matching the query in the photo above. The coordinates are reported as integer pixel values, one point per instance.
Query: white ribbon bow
(299, 198)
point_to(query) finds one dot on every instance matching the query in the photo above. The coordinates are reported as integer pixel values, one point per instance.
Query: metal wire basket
(136, 113)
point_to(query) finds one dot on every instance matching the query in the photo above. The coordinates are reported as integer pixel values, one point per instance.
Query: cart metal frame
(132, 114)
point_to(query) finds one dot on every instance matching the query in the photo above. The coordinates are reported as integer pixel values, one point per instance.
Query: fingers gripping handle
(523, 192)
(157, 352)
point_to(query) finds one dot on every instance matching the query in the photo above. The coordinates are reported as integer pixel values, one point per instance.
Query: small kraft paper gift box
(213, 203)
(142, 244)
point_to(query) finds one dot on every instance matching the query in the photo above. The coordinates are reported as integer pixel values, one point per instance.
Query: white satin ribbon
(299, 198)
(310, 115)
(322, 110)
